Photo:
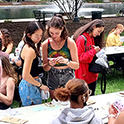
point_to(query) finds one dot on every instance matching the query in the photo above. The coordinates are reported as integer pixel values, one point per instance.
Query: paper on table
(122, 38)
(38, 109)
(13, 120)
(121, 94)
(90, 102)
(9, 112)
(101, 110)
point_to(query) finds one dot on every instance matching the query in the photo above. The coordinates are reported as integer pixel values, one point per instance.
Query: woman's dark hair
(6, 36)
(30, 29)
(57, 22)
(99, 40)
(73, 89)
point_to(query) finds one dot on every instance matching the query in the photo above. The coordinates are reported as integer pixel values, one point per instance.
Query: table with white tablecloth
(114, 50)
(45, 113)
(116, 54)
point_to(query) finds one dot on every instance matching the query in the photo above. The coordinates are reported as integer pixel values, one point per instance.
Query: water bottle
(17, 52)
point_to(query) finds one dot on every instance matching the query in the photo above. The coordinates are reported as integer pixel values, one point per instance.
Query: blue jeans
(59, 77)
(29, 93)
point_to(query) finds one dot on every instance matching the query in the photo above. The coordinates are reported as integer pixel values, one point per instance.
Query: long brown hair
(30, 29)
(8, 68)
(7, 39)
(89, 28)
(57, 22)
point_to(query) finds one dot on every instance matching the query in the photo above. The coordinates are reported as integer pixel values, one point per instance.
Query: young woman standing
(59, 54)
(93, 35)
(30, 85)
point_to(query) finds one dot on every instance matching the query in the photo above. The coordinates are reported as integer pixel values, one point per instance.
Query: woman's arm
(10, 87)
(113, 120)
(120, 118)
(28, 55)
(74, 63)
(9, 48)
(28, 59)
(118, 42)
(112, 115)
(45, 55)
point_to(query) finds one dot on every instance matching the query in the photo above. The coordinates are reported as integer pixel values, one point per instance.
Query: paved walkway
(33, 19)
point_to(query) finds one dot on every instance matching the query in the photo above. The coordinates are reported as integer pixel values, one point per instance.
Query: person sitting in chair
(77, 92)
(8, 79)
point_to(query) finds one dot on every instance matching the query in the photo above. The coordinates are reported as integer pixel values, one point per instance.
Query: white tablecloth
(113, 50)
(37, 114)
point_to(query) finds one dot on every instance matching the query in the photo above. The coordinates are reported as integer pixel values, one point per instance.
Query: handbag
(94, 67)
(97, 68)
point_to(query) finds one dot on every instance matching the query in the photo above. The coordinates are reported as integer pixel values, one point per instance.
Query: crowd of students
(65, 59)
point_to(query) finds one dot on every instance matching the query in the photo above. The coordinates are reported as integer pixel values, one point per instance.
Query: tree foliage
(69, 6)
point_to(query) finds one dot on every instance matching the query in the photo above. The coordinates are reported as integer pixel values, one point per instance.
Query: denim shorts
(59, 77)
(29, 93)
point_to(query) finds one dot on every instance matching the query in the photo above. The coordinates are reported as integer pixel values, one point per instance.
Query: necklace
(58, 44)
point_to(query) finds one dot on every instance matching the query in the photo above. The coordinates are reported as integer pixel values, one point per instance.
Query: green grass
(114, 82)
(15, 104)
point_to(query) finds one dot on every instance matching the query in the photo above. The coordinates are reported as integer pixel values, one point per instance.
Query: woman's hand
(97, 48)
(61, 59)
(112, 110)
(44, 87)
(52, 61)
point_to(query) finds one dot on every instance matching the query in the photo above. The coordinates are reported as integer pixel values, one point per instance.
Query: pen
(93, 45)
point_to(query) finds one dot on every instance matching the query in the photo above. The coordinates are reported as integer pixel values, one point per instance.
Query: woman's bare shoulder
(10, 80)
(71, 42)
(28, 51)
(28, 48)
(45, 43)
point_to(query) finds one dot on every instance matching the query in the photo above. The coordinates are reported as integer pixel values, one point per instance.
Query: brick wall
(16, 28)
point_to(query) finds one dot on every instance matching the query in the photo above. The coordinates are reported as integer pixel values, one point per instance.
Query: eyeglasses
(90, 92)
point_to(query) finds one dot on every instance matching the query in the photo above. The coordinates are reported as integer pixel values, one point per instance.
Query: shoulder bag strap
(85, 43)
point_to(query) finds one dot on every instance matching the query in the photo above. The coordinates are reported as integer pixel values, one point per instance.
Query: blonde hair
(119, 26)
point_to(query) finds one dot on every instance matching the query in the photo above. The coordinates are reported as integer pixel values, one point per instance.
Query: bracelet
(40, 85)
(111, 115)
(49, 64)
(68, 62)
